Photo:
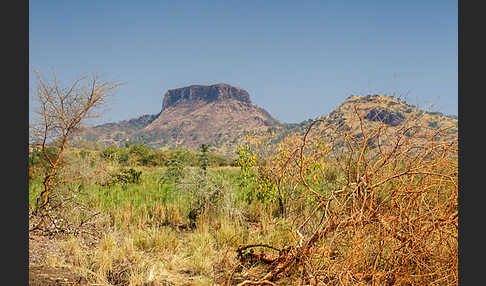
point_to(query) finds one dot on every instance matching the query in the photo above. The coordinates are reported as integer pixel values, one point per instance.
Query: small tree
(60, 112)
(204, 157)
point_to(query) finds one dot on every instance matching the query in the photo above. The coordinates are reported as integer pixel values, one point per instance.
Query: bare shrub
(389, 216)
(61, 111)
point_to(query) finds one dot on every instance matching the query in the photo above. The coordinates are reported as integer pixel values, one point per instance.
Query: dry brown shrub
(393, 218)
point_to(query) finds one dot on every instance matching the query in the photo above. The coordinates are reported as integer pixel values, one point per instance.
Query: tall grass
(149, 221)
(366, 216)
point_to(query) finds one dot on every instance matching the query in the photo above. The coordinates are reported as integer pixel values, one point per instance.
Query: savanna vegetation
(380, 209)
(326, 207)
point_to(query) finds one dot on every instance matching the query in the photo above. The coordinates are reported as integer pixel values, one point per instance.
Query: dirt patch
(41, 248)
(46, 275)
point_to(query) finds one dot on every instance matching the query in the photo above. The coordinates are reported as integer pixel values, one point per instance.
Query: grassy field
(369, 216)
(148, 235)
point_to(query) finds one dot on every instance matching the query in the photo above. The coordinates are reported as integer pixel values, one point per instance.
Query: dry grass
(139, 251)
(375, 209)
(392, 220)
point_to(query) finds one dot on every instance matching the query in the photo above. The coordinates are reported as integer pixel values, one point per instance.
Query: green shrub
(174, 171)
(125, 176)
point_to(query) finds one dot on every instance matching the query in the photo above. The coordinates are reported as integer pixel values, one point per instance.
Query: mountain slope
(384, 119)
(388, 110)
(218, 114)
(222, 115)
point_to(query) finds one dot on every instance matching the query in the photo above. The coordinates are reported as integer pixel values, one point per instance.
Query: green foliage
(204, 157)
(174, 171)
(125, 176)
(139, 150)
(37, 157)
(37, 161)
(115, 154)
(246, 161)
(258, 184)
(266, 189)
(136, 154)
(141, 155)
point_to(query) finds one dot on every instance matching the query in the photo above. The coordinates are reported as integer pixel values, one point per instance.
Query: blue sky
(297, 59)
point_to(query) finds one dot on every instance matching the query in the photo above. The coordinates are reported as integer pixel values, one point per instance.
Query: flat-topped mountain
(218, 114)
(215, 114)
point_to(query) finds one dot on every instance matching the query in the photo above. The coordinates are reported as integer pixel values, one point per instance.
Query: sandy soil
(40, 248)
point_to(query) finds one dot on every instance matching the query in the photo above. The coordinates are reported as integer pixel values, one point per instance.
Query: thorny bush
(389, 216)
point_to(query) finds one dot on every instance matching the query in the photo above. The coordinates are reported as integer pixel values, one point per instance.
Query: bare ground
(40, 273)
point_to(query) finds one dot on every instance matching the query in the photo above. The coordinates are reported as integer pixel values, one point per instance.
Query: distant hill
(222, 115)
(388, 110)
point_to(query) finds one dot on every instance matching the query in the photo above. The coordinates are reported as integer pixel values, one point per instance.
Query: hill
(222, 115)
(392, 116)
(218, 114)
(389, 110)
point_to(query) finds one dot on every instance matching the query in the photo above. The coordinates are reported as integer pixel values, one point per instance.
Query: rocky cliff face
(204, 93)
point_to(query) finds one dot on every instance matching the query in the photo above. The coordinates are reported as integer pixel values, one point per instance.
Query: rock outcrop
(204, 93)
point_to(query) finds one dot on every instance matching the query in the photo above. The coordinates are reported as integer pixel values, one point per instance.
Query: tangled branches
(389, 217)
(61, 111)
